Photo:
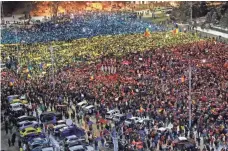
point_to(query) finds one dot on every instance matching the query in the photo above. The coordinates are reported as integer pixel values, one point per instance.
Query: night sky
(10, 6)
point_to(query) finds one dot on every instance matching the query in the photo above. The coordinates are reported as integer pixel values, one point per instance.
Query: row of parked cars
(32, 130)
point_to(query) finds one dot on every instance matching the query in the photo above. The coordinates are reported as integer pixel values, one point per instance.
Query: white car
(89, 109)
(89, 148)
(110, 114)
(16, 106)
(48, 149)
(25, 124)
(77, 148)
(82, 103)
(143, 120)
(58, 127)
(70, 139)
(3, 66)
(132, 120)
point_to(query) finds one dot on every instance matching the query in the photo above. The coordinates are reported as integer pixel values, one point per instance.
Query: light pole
(191, 12)
(190, 91)
(52, 66)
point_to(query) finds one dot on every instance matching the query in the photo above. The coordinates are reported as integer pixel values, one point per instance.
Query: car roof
(37, 139)
(15, 104)
(133, 117)
(25, 122)
(61, 125)
(76, 147)
(71, 136)
(29, 128)
(118, 114)
(112, 111)
(61, 121)
(182, 138)
(20, 117)
(162, 129)
(84, 101)
(90, 106)
(47, 149)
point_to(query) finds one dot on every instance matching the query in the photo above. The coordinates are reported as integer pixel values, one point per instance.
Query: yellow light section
(97, 6)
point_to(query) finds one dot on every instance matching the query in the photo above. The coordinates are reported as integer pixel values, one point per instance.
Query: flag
(147, 33)
(91, 78)
(11, 83)
(177, 31)
(182, 79)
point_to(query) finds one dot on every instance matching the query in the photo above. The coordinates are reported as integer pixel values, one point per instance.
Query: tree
(224, 19)
(214, 17)
(54, 9)
(182, 13)
(209, 17)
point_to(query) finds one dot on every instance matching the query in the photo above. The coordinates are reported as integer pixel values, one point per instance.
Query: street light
(52, 65)
(190, 91)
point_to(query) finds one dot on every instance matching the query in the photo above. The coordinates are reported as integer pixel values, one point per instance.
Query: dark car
(26, 118)
(72, 130)
(183, 143)
(49, 116)
(119, 118)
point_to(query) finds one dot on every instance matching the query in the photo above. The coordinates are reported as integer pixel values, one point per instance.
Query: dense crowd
(79, 26)
(152, 83)
(146, 77)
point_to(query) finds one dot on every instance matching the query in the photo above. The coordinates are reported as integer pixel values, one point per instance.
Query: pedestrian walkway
(213, 32)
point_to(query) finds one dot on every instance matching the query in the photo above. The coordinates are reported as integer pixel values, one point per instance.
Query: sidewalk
(213, 32)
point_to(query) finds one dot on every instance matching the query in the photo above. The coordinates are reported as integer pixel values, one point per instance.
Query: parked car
(36, 147)
(29, 130)
(31, 136)
(77, 148)
(24, 102)
(26, 118)
(47, 149)
(119, 118)
(60, 122)
(109, 115)
(82, 103)
(89, 109)
(58, 127)
(39, 140)
(89, 148)
(71, 138)
(183, 143)
(24, 124)
(16, 106)
(71, 130)
(132, 120)
(49, 116)
(11, 97)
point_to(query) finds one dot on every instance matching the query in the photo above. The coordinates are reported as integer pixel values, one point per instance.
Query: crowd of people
(138, 75)
(79, 26)
(155, 80)
(92, 50)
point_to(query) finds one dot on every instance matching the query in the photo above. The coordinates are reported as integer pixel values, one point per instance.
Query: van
(111, 113)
